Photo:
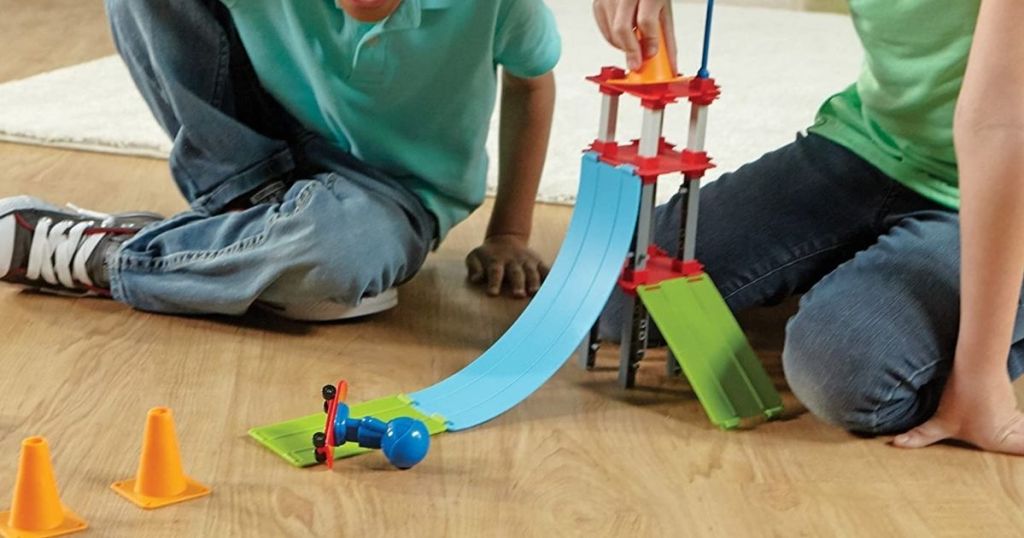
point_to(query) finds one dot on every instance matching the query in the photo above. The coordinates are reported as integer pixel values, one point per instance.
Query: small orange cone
(36, 510)
(160, 480)
(654, 70)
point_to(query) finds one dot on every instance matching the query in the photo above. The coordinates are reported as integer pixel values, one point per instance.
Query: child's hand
(506, 259)
(976, 408)
(617, 20)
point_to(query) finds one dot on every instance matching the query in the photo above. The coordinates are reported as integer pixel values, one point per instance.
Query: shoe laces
(61, 248)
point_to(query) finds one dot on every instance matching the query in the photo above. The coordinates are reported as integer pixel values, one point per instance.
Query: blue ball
(406, 442)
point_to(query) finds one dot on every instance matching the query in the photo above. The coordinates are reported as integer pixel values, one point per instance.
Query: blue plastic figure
(404, 441)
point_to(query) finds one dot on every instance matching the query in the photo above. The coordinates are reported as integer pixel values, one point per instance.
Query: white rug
(775, 68)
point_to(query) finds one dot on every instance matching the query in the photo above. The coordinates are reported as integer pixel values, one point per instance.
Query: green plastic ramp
(705, 338)
(293, 439)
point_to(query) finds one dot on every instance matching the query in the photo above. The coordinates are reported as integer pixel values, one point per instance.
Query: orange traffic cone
(160, 480)
(654, 70)
(36, 510)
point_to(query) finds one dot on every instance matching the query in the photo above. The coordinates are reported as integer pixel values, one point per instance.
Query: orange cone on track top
(160, 480)
(655, 70)
(36, 510)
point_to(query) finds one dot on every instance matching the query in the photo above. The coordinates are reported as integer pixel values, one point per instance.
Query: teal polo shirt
(412, 94)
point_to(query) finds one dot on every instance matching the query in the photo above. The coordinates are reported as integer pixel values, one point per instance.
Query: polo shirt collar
(409, 13)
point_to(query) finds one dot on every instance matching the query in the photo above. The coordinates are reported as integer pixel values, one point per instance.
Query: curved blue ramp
(559, 316)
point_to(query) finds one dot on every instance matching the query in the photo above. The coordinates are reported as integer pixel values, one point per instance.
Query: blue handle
(703, 71)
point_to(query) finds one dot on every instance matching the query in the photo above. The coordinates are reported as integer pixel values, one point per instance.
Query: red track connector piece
(608, 73)
(701, 91)
(692, 164)
(660, 267)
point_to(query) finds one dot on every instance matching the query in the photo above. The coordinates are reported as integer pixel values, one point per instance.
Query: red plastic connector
(608, 73)
(660, 267)
(701, 91)
(704, 91)
(692, 164)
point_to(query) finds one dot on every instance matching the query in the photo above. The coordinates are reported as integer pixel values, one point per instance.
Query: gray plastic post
(634, 332)
(587, 352)
(672, 368)
(634, 341)
(606, 128)
(609, 118)
(694, 142)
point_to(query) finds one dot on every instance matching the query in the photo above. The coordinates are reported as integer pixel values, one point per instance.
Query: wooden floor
(580, 457)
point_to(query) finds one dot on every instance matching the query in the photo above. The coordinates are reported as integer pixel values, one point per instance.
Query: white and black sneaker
(61, 250)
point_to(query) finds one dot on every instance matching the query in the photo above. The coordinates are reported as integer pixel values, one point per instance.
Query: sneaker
(332, 311)
(61, 250)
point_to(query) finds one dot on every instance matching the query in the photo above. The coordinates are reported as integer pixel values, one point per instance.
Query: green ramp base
(293, 439)
(712, 350)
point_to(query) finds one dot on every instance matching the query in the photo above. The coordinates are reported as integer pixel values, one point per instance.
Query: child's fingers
(495, 276)
(670, 33)
(516, 279)
(1010, 438)
(929, 433)
(648, 20)
(1013, 444)
(533, 277)
(603, 19)
(623, 35)
(475, 268)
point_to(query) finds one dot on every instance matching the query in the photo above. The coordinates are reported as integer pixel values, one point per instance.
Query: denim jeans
(343, 231)
(872, 343)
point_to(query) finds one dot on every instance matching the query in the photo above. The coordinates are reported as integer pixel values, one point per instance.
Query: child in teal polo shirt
(324, 149)
(898, 216)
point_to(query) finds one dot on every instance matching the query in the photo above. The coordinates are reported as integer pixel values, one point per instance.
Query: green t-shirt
(899, 114)
(412, 94)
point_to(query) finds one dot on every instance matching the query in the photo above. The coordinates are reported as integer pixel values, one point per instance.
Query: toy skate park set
(608, 244)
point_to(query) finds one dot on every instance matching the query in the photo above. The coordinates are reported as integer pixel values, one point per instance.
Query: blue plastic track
(559, 316)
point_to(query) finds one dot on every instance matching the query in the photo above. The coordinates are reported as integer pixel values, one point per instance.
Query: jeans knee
(120, 11)
(828, 376)
(127, 19)
(345, 248)
(134, 20)
(117, 7)
(330, 271)
(315, 273)
(346, 285)
(834, 371)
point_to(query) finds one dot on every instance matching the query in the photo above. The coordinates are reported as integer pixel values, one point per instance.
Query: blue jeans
(343, 231)
(872, 343)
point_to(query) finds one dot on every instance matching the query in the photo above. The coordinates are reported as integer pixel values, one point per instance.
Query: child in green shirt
(899, 218)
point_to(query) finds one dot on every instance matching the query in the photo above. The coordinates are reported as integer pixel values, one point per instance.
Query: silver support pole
(650, 132)
(698, 127)
(692, 206)
(634, 332)
(607, 125)
(695, 142)
(690, 189)
(649, 141)
(643, 226)
(609, 118)
(634, 341)
(587, 352)
(672, 368)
